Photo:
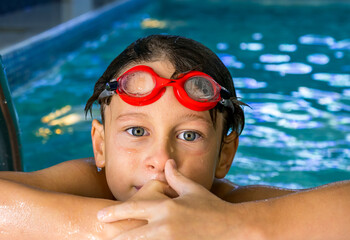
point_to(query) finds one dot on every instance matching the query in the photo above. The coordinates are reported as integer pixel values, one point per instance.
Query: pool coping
(22, 60)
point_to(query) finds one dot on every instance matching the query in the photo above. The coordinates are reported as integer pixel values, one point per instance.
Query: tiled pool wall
(23, 60)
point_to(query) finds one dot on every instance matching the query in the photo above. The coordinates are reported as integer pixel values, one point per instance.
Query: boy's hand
(194, 214)
(154, 190)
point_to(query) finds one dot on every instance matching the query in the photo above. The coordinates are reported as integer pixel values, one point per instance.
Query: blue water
(290, 63)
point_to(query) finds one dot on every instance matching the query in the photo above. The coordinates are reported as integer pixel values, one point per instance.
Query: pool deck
(20, 25)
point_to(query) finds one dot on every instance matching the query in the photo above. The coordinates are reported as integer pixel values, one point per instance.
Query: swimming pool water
(290, 63)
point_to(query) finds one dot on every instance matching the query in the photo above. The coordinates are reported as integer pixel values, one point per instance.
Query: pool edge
(23, 59)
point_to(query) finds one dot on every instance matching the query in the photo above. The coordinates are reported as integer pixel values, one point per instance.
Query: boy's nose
(157, 157)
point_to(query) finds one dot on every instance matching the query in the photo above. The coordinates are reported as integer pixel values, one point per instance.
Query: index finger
(154, 190)
(128, 210)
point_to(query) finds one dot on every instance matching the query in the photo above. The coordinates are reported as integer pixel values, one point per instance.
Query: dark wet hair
(185, 54)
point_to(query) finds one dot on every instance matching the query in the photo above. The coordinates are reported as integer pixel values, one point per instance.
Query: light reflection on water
(295, 77)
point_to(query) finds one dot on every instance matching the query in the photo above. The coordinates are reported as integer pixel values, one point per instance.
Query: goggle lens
(137, 84)
(200, 89)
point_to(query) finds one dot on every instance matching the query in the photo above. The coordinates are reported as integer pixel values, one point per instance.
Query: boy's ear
(98, 143)
(228, 151)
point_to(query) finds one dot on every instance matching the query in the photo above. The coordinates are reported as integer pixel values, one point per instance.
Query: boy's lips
(138, 187)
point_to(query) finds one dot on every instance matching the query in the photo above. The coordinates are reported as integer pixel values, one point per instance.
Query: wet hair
(185, 55)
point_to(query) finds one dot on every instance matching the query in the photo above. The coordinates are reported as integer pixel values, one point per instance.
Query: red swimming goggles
(141, 86)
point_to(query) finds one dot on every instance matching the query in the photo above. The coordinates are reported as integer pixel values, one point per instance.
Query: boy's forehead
(164, 68)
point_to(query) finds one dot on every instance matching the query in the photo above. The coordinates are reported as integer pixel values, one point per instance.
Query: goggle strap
(112, 85)
(106, 93)
(224, 93)
(227, 103)
(110, 89)
(225, 98)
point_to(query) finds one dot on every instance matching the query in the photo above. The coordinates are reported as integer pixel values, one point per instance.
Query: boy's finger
(176, 180)
(154, 186)
(153, 190)
(128, 210)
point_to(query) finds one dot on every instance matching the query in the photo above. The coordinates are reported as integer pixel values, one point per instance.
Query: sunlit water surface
(289, 63)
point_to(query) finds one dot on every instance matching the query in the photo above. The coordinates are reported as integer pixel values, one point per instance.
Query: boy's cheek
(116, 184)
(121, 144)
(120, 176)
(129, 144)
(200, 169)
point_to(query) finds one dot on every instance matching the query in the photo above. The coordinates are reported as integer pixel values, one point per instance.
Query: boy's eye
(136, 131)
(189, 136)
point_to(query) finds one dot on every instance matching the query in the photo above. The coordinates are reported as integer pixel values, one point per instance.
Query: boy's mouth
(138, 187)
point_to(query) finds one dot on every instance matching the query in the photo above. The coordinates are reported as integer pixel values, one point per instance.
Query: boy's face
(137, 141)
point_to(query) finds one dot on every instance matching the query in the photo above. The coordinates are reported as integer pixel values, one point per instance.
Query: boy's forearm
(27, 213)
(321, 213)
(78, 177)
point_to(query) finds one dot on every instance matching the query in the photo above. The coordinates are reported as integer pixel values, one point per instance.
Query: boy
(169, 131)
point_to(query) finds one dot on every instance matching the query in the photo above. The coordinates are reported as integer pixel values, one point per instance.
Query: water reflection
(257, 36)
(314, 39)
(289, 68)
(341, 45)
(333, 79)
(222, 46)
(248, 83)
(318, 58)
(252, 46)
(230, 61)
(274, 58)
(339, 54)
(287, 47)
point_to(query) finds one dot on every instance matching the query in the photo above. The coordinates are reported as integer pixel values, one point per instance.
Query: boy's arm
(320, 213)
(29, 213)
(78, 177)
(234, 193)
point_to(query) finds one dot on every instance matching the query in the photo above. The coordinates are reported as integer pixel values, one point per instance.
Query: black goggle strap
(225, 98)
(109, 89)
(112, 86)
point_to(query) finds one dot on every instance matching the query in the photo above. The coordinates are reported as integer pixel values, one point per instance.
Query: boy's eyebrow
(131, 114)
(192, 117)
(185, 117)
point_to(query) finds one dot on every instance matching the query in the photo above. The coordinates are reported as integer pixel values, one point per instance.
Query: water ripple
(317, 94)
(252, 46)
(274, 58)
(230, 61)
(333, 79)
(289, 68)
(318, 58)
(341, 45)
(314, 39)
(222, 46)
(287, 47)
(248, 83)
(257, 36)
